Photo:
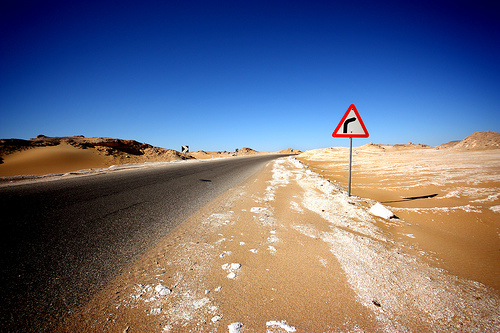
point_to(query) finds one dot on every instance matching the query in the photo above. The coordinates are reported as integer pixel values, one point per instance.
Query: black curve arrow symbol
(350, 120)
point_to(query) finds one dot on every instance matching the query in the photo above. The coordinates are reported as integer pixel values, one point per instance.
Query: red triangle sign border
(335, 133)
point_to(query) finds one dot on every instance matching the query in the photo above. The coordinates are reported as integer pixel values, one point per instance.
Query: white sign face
(351, 125)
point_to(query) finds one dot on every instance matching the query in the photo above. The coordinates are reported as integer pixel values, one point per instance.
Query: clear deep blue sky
(220, 75)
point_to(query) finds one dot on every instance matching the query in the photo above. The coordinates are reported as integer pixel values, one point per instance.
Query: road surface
(63, 240)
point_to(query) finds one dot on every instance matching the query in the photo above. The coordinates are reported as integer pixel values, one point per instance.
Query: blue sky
(220, 75)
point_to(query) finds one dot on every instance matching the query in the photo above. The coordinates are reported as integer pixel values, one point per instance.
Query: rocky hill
(482, 140)
(247, 151)
(127, 150)
(289, 151)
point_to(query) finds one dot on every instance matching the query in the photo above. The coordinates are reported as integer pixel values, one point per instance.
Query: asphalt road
(63, 240)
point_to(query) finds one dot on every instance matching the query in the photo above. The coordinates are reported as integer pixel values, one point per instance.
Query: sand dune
(46, 155)
(54, 159)
(51, 155)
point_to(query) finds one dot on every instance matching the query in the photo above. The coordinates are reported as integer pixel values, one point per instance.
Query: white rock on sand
(162, 290)
(282, 324)
(231, 268)
(235, 327)
(216, 319)
(381, 211)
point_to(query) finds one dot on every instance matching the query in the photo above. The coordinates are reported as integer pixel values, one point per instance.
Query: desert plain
(289, 251)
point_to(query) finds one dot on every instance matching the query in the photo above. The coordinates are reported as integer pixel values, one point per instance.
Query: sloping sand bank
(53, 155)
(52, 159)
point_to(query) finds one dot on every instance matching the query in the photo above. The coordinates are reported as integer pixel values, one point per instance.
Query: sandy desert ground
(289, 251)
(448, 198)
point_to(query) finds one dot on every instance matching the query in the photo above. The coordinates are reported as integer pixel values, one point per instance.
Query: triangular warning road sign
(351, 125)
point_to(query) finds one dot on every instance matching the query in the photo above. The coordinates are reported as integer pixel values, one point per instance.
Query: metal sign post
(351, 126)
(350, 164)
